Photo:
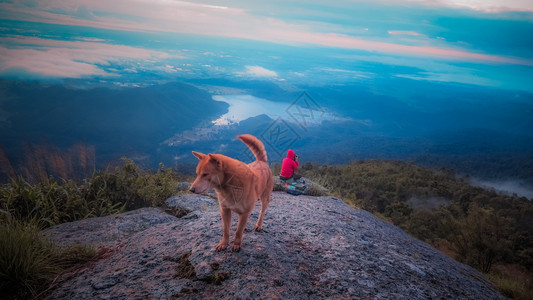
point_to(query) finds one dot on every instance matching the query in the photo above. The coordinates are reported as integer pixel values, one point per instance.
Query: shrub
(27, 261)
(316, 190)
(51, 202)
(156, 188)
(513, 281)
(130, 187)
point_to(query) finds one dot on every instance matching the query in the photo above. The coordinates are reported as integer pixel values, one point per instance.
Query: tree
(481, 238)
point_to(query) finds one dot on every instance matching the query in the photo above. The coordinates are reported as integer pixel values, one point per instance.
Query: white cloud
(257, 71)
(491, 6)
(48, 63)
(69, 59)
(494, 5)
(350, 73)
(402, 32)
(451, 77)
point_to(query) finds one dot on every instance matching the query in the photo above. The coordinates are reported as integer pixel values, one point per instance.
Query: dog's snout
(191, 190)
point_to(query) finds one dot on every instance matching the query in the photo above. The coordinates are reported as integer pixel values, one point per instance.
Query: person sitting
(289, 165)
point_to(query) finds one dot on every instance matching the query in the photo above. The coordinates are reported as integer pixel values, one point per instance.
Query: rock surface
(311, 248)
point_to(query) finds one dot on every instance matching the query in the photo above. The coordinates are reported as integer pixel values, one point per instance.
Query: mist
(506, 187)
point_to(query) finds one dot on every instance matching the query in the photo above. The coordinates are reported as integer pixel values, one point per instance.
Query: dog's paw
(236, 247)
(258, 228)
(221, 246)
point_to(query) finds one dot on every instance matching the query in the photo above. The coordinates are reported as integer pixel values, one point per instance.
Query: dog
(238, 187)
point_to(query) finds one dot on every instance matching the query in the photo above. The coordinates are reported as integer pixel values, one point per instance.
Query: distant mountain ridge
(483, 134)
(116, 122)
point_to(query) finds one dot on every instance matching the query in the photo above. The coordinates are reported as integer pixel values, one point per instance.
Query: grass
(28, 261)
(50, 203)
(512, 281)
(53, 202)
(315, 190)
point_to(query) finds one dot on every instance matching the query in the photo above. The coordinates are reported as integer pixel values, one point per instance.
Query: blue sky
(485, 43)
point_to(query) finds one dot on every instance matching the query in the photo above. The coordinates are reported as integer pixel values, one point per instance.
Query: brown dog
(238, 187)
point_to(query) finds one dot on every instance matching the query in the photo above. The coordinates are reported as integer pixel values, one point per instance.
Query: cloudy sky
(479, 42)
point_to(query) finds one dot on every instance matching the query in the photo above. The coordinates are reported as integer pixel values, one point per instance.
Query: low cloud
(65, 59)
(257, 71)
(451, 77)
(506, 187)
(44, 63)
(348, 73)
(490, 6)
(401, 32)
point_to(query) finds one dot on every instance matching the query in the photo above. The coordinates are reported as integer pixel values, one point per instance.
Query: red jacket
(289, 165)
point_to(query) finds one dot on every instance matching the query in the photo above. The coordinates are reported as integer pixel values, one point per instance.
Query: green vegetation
(131, 186)
(28, 261)
(478, 227)
(51, 202)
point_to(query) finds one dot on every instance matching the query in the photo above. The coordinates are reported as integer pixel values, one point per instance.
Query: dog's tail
(257, 147)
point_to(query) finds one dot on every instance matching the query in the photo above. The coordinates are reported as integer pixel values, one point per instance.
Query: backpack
(295, 188)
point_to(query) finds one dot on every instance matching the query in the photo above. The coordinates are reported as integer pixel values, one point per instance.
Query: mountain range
(477, 131)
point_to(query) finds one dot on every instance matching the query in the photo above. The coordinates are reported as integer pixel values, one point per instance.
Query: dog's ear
(215, 160)
(199, 155)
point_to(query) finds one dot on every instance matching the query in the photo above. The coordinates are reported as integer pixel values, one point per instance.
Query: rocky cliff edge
(311, 248)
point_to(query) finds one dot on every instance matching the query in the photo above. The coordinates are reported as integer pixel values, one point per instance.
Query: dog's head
(209, 172)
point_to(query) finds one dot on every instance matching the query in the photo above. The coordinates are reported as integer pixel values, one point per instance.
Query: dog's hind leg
(265, 201)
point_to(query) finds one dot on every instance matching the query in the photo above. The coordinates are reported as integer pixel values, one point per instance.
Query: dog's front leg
(225, 213)
(243, 219)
